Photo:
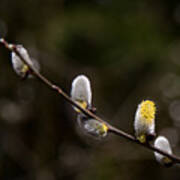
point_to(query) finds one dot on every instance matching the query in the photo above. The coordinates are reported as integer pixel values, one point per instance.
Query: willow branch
(88, 113)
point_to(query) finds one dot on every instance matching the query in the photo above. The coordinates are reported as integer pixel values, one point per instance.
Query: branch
(88, 113)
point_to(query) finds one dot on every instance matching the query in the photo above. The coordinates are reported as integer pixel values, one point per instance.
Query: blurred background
(130, 50)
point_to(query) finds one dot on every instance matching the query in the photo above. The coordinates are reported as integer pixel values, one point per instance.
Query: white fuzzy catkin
(144, 123)
(162, 143)
(81, 89)
(19, 66)
(92, 126)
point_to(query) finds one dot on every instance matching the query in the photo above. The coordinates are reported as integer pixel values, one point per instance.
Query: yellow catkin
(102, 129)
(25, 68)
(166, 160)
(142, 138)
(83, 104)
(147, 111)
(105, 128)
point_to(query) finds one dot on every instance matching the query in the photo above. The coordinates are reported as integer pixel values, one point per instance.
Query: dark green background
(130, 50)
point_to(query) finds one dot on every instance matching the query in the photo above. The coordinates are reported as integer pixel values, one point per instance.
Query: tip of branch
(1, 40)
(5, 43)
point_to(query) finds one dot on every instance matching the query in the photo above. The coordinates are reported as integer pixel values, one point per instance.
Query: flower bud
(162, 143)
(92, 126)
(144, 123)
(81, 92)
(19, 66)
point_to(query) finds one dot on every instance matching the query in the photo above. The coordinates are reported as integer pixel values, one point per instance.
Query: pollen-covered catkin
(162, 143)
(81, 91)
(144, 124)
(19, 66)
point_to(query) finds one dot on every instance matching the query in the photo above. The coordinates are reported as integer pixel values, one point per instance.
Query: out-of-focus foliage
(129, 49)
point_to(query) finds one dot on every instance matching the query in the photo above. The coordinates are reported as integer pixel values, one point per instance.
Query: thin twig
(111, 128)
